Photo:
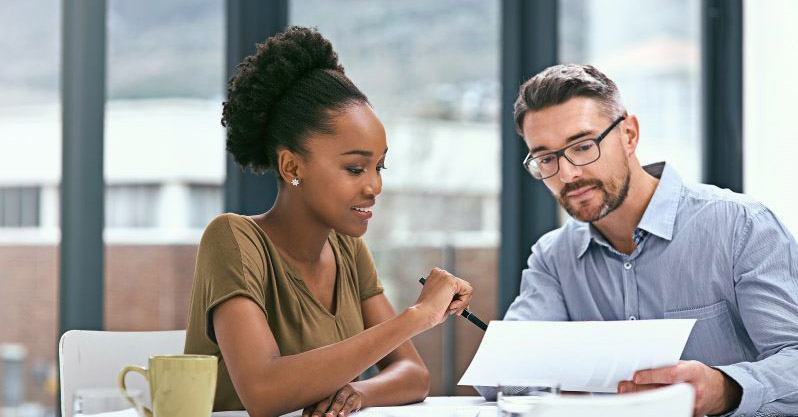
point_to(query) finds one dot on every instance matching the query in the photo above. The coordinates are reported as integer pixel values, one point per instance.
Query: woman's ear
(289, 165)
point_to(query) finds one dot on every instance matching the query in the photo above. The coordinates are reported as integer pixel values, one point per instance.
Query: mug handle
(145, 373)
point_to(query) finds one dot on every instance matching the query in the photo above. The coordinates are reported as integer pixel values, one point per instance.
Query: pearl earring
(295, 182)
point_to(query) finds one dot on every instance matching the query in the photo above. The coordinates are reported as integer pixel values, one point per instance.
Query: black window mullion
(722, 87)
(529, 45)
(82, 202)
(250, 22)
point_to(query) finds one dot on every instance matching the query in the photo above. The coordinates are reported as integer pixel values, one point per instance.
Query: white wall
(770, 93)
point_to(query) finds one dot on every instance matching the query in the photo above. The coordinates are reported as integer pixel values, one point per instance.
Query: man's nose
(568, 171)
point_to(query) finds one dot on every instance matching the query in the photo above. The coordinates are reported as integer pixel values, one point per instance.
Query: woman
(289, 300)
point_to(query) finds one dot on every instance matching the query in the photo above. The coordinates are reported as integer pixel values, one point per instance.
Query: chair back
(93, 359)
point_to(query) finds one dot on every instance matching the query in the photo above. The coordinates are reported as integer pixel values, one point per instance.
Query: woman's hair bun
(255, 94)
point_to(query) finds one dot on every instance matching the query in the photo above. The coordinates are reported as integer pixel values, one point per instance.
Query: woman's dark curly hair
(291, 87)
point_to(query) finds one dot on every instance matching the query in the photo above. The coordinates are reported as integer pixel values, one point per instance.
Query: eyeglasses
(580, 153)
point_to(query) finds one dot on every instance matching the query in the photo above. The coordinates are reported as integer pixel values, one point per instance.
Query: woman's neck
(296, 232)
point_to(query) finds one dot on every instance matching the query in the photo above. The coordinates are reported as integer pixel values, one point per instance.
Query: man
(641, 244)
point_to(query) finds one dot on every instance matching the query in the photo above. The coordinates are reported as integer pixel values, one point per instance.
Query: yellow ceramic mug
(180, 385)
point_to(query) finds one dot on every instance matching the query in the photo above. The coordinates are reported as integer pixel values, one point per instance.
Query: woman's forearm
(401, 382)
(291, 382)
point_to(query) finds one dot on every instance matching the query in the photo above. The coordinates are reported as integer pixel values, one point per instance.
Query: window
(204, 203)
(19, 206)
(162, 135)
(431, 71)
(652, 51)
(30, 171)
(131, 206)
(769, 96)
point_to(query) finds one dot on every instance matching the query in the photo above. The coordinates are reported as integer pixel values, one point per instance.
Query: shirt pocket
(713, 340)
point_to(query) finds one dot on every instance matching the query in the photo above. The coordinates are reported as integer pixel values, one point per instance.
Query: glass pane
(651, 49)
(163, 139)
(30, 171)
(769, 106)
(431, 70)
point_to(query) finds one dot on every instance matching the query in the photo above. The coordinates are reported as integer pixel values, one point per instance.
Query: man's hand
(715, 393)
(340, 404)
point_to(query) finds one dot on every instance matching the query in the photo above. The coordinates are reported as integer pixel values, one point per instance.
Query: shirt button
(627, 266)
(632, 318)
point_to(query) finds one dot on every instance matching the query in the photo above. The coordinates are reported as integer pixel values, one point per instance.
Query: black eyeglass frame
(561, 153)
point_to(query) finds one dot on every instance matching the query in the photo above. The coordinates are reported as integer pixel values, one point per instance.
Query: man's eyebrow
(570, 139)
(362, 152)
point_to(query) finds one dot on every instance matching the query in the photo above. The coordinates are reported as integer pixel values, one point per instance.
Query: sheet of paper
(430, 407)
(581, 356)
(130, 412)
(464, 411)
(671, 401)
(433, 407)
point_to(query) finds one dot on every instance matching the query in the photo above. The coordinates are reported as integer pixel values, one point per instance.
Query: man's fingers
(626, 387)
(668, 375)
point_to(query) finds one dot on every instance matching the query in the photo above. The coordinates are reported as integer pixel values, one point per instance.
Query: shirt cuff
(489, 393)
(753, 390)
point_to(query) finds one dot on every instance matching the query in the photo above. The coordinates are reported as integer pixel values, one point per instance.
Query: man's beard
(613, 195)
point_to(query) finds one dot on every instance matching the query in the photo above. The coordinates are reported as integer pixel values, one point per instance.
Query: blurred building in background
(431, 70)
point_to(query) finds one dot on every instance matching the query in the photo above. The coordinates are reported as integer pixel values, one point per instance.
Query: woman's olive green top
(236, 258)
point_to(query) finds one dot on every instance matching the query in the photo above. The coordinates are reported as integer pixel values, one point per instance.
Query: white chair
(93, 359)
(672, 401)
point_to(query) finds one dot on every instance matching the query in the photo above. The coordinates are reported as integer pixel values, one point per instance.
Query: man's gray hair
(560, 83)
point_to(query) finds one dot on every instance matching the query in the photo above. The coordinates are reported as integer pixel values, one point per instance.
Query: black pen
(467, 314)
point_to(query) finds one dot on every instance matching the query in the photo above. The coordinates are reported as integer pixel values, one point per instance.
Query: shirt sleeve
(766, 285)
(227, 264)
(541, 295)
(368, 281)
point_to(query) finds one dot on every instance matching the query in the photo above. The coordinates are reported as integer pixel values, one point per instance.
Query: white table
(432, 406)
(673, 401)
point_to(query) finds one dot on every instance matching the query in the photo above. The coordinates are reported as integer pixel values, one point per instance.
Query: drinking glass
(519, 398)
(90, 401)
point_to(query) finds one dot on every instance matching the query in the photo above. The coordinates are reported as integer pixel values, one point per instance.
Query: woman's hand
(443, 294)
(340, 404)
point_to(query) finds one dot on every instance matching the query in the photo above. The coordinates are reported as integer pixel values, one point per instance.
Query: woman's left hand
(340, 404)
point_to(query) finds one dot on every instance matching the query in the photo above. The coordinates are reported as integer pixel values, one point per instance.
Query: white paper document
(430, 407)
(580, 355)
(130, 412)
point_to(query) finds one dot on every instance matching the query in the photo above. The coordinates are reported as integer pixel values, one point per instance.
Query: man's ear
(289, 165)
(630, 134)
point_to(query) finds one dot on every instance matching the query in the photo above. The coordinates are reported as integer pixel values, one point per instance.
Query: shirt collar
(590, 234)
(660, 214)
